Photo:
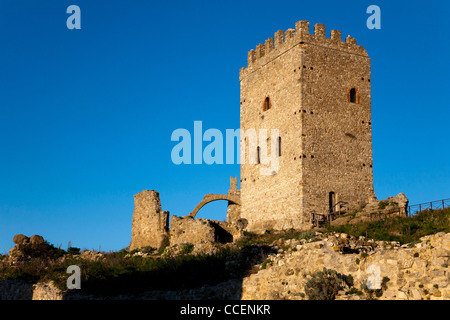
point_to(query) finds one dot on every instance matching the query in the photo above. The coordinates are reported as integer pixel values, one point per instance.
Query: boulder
(36, 239)
(20, 239)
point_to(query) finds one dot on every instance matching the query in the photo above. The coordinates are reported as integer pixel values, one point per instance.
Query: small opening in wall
(362, 121)
(364, 164)
(350, 135)
(304, 66)
(311, 68)
(332, 201)
(362, 79)
(353, 95)
(267, 104)
(258, 155)
(370, 123)
(312, 157)
(304, 111)
(368, 80)
(312, 112)
(295, 158)
(279, 146)
(370, 166)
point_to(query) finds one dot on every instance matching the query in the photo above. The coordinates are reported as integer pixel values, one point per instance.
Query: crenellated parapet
(285, 40)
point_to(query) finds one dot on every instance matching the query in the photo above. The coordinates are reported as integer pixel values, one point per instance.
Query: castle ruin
(316, 91)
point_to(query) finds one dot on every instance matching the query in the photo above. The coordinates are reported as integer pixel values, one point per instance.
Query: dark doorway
(332, 201)
(353, 95)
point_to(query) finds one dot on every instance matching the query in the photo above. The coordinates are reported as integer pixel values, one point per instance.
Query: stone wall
(190, 230)
(150, 223)
(326, 141)
(25, 290)
(200, 231)
(387, 208)
(233, 210)
(414, 273)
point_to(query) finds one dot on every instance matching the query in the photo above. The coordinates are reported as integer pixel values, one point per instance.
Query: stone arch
(235, 199)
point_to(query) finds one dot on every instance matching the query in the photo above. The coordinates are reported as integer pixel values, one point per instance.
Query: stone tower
(316, 92)
(150, 224)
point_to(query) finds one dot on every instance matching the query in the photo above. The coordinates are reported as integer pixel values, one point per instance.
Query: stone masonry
(317, 92)
(233, 210)
(150, 223)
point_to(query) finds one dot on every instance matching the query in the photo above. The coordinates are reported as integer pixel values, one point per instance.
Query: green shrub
(382, 205)
(165, 244)
(73, 250)
(349, 281)
(264, 264)
(352, 290)
(186, 248)
(324, 285)
(402, 229)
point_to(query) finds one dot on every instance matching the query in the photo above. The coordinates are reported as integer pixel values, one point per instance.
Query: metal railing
(433, 205)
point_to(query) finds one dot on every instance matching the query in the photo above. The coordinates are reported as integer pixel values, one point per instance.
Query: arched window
(353, 95)
(267, 104)
(279, 146)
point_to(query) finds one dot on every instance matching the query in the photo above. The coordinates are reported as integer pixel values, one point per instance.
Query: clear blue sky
(86, 115)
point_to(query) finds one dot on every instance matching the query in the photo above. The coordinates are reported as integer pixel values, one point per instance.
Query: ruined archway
(234, 199)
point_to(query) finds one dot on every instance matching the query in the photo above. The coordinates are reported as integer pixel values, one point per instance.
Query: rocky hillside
(354, 269)
(289, 265)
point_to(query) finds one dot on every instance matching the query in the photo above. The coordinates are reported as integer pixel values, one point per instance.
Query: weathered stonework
(233, 209)
(190, 230)
(150, 223)
(300, 84)
(391, 207)
(200, 231)
(413, 273)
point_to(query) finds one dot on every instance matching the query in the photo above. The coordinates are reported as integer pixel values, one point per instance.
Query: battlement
(283, 41)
